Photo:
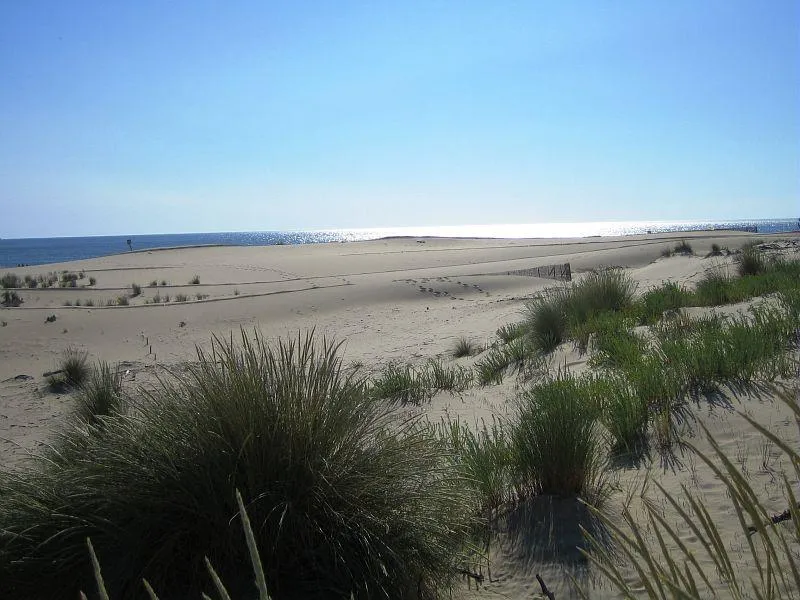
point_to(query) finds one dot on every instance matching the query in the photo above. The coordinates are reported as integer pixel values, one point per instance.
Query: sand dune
(397, 299)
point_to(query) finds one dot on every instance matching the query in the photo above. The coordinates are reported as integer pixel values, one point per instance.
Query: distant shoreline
(42, 251)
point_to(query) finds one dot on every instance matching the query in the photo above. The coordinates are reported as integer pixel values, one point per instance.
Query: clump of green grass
(669, 296)
(68, 280)
(136, 289)
(122, 301)
(743, 349)
(88, 302)
(714, 288)
(438, 377)
(194, 280)
(716, 250)
(683, 247)
(750, 261)
(72, 372)
(510, 332)
(607, 290)
(492, 366)
(346, 498)
(163, 282)
(546, 320)
(201, 296)
(400, 383)
(484, 455)
(556, 442)
(565, 311)
(10, 299)
(10, 280)
(92, 281)
(181, 298)
(623, 412)
(153, 283)
(100, 395)
(597, 326)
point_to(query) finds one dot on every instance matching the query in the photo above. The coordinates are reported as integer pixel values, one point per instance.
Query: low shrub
(10, 280)
(122, 301)
(194, 280)
(181, 298)
(136, 289)
(10, 299)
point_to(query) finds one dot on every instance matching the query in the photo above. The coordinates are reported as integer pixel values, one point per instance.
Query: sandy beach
(404, 300)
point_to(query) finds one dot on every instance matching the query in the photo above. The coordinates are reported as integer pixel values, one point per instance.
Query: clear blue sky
(158, 117)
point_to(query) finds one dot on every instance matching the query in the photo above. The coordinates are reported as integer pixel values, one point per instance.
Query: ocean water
(38, 251)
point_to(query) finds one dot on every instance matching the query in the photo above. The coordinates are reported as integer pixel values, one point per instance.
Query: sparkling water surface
(37, 251)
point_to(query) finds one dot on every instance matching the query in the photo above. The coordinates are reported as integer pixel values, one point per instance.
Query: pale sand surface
(397, 299)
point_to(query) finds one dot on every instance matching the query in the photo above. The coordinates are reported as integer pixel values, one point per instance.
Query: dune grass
(546, 319)
(73, 370)
(557, 446)
(683, 247)
(510, 332)
(750, 261)
(438, 377)
(563, 312)
(400, 383)
(484, 455)
(676, 571)
(10, 299)
(464, 347)
(10, 280)
(100, 394)
(342, 497)
(520, 355)
(652, 305)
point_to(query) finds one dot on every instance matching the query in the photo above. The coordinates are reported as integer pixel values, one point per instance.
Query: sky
(198, 116)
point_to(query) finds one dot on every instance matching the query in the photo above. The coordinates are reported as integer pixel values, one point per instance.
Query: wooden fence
(560, 272)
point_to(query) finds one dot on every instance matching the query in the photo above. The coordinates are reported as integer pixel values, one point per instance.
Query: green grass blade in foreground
(770, 550)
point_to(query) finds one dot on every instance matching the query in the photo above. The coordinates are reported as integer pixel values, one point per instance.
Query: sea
(39, 251)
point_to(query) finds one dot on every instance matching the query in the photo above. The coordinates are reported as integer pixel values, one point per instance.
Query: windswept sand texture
(395, 299)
